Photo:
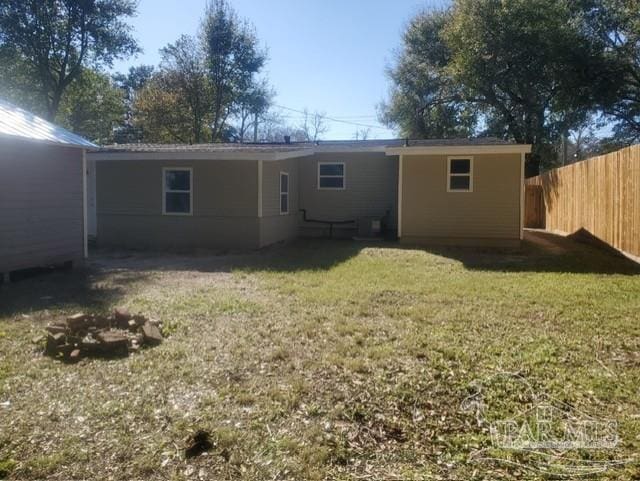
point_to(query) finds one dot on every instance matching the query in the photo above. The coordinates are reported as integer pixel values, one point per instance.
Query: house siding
(371, 189)
(276, 227)
(41, 214)
(225, 205)
(489, 215)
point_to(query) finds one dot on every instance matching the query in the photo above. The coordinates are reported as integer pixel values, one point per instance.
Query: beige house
(253, 195)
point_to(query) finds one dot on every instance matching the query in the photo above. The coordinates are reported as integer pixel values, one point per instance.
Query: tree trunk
(255, 128)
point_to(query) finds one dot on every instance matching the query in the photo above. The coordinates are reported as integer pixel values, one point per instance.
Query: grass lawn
(325, 360)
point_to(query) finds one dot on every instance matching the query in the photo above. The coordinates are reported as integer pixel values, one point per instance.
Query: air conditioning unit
(369, 227)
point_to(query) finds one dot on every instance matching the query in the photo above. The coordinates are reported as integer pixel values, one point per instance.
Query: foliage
(253, 104)
(56, 39)
(615, 24)
(131, 84)
(233, 59)
(425, 102)
(92, 107)
(524, 70)
(175, 105)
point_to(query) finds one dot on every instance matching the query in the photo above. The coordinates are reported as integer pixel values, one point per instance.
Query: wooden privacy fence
(600, 195)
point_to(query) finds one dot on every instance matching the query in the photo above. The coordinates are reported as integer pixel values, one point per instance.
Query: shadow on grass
(543, 252)
(81, 288)
(540, 252)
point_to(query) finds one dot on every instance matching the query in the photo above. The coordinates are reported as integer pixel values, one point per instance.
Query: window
(460, 174)
(331, 175)
(177, 187)
(284, 193)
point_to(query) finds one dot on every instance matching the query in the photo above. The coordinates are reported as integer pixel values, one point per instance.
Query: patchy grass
(323, 360)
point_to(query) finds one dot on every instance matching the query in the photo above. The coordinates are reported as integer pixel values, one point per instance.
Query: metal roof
(17, 122)
(281, 147)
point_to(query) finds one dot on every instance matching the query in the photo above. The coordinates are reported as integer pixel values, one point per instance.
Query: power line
(333, 119)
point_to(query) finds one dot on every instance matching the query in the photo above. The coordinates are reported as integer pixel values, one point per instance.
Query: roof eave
(461, 149)
(186, 155)
(49, 142)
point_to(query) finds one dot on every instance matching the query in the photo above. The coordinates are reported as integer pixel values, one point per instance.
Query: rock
(112, 342)
(100, 322)
(138, 321)
(74, 356)
(89, 344)
(53, 341)
(56, 328)
(77, 321)
(65, 349)
(151, 333)
(121, 316)
(37, 339)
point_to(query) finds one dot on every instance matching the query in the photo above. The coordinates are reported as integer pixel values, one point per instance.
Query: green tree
(93, 106)
(425, 101)
(233, 60)
(523, 70)
(175, 105)
(131, 84)
(615, 25)
(54, 40)
(528, 64)
(253, 104)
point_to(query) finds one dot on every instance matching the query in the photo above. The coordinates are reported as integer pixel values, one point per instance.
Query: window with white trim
(177, 187)
(331, 175)
(460, 174)
(284, 193)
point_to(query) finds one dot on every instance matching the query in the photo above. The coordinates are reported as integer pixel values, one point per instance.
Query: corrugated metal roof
(17, 122)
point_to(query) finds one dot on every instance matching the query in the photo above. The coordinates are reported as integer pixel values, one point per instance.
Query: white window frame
(165, 191)
(286, 174)
(343, 176)
(470, 174)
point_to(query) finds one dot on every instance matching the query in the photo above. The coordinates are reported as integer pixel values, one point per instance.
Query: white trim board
(260, 175)
(85, 227)
(400, 197)
(286, 174)
(461, 150)
(228, 155)
(164, 191)
(343, 176)
(522, 197)
(449, 174)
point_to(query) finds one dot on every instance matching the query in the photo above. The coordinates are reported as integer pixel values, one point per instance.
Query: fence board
(600, 195)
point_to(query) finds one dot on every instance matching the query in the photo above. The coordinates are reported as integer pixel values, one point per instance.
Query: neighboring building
(42, 192)
(253, 195)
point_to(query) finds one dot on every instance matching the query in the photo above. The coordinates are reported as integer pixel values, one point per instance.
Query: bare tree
(313, 125)
(362, 134)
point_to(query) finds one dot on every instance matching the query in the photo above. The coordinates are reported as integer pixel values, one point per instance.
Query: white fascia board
(461, 150)
(319, 149)
(20, 138)
(268, 156)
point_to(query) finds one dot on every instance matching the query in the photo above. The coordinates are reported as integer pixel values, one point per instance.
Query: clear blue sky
(325, 55)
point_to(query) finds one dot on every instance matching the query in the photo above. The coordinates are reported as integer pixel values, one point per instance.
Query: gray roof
(297, 146)
(220, 147)
(17, 122)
